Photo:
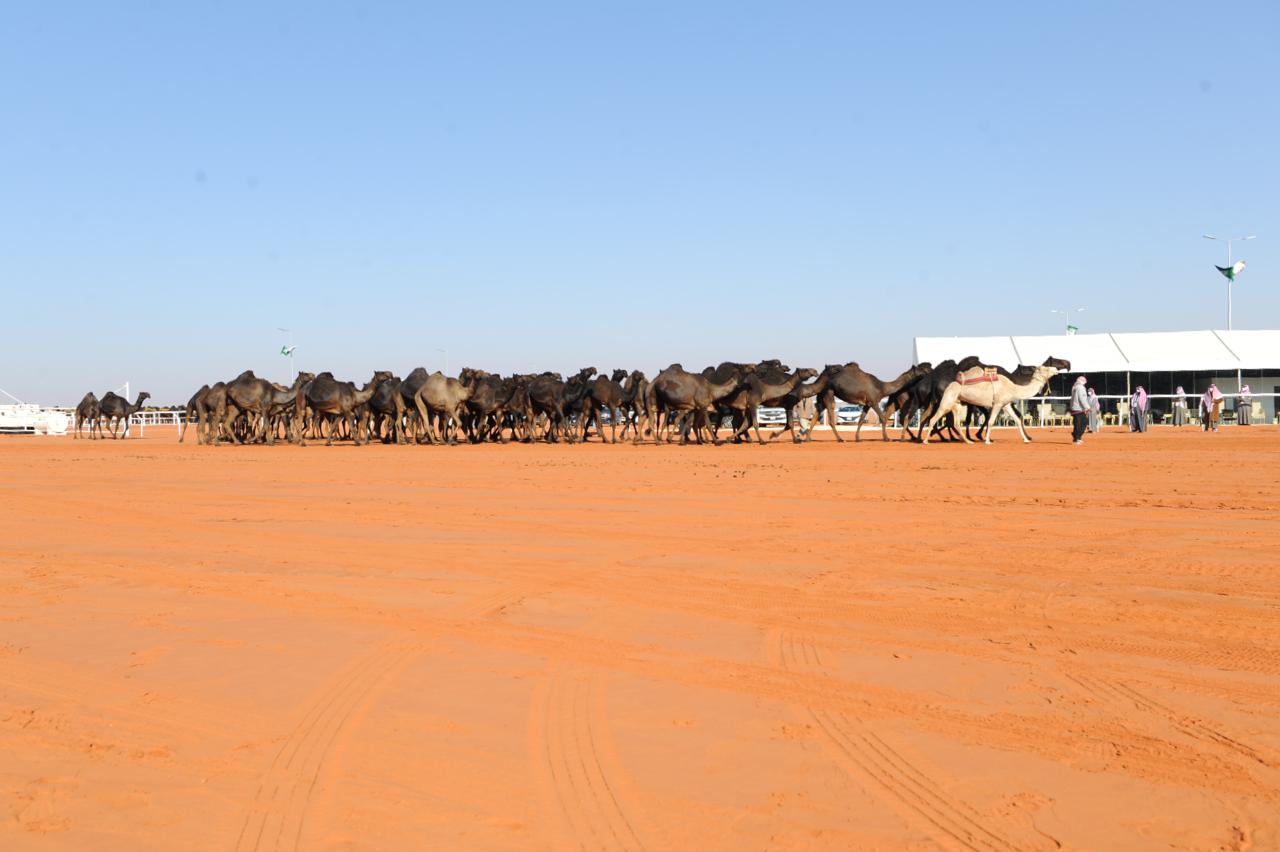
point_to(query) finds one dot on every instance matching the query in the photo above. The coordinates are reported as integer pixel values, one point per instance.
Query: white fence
(141, 419)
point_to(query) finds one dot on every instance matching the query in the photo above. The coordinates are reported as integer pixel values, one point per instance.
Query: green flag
(1230, 272)
(287, 350)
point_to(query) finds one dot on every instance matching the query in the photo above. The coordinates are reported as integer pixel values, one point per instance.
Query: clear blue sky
(546, 186)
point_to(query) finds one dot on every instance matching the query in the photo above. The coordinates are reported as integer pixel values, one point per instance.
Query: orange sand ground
(874, 646)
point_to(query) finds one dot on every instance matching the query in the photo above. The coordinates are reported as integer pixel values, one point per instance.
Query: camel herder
(1180, 407)
(1244, 408)
(1211, 408)
(1138, 410)
(1095, 410)
(1079, 408)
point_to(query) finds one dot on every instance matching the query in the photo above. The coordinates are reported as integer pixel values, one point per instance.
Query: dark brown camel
(251, 396)
(551, 396)
(486, 406)
(284, 406)
(853, 384)
(87, 411)
(386, 405)
(190, 412)
(791, 402)
(338, 401)
(208, 422)
(603, 394)
(765, 386)
(635, 390)
(675, 390)
(116, 410)
(409, 386)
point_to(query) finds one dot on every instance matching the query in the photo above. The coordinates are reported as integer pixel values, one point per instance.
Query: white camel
(987, 388)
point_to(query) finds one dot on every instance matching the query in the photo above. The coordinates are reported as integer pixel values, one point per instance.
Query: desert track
(871, 646)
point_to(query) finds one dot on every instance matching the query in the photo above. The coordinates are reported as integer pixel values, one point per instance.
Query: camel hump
(247, 374)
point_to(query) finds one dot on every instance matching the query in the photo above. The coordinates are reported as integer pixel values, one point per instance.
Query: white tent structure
(1221, 356)
(1120, 352)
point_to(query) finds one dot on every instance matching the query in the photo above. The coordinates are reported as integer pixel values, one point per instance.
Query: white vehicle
(848, 415)
(771, 416)
(27, 419)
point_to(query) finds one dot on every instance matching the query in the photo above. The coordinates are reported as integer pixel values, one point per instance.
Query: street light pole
(1067, 313)
(446, 360)
(1230, 281)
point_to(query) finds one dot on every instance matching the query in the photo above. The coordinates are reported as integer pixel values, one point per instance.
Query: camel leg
(905, 413)
(423, 417)
(685, 424)
(829, 403)
(945, 405)
(229, 416)
(813, 421)
(740, 427)
(1013, 412)
(754, 417)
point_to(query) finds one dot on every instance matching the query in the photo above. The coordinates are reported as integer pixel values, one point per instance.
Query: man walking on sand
(1079, 410)
(1211, 408)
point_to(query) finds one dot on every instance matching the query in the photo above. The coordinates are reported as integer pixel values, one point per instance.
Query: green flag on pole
(1230, 272)
(287, 350)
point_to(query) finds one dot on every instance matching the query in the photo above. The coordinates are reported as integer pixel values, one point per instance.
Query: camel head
(143, 397)
(1061, 364)
(303, 378)
(587, 372)
(381, 376)
(618, 375)
(806, 373)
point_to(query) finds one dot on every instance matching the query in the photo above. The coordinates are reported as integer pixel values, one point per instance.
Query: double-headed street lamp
(1229, 271)
(1067, 312)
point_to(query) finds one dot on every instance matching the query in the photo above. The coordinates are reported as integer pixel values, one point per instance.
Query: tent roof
(992, 350)
(1088, 353)
(1176, 350)
(1139, 352)
(1256, 349)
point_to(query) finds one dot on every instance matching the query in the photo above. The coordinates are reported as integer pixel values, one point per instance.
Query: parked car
(848, 415)
(771, 416)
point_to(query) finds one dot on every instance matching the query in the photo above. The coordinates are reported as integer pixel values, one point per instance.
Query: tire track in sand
(867, 756)
(1114, 691)
(278, 813)
(279, 810)
(566, 730)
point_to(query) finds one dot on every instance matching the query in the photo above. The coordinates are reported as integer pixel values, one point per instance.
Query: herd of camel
(480, 407)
